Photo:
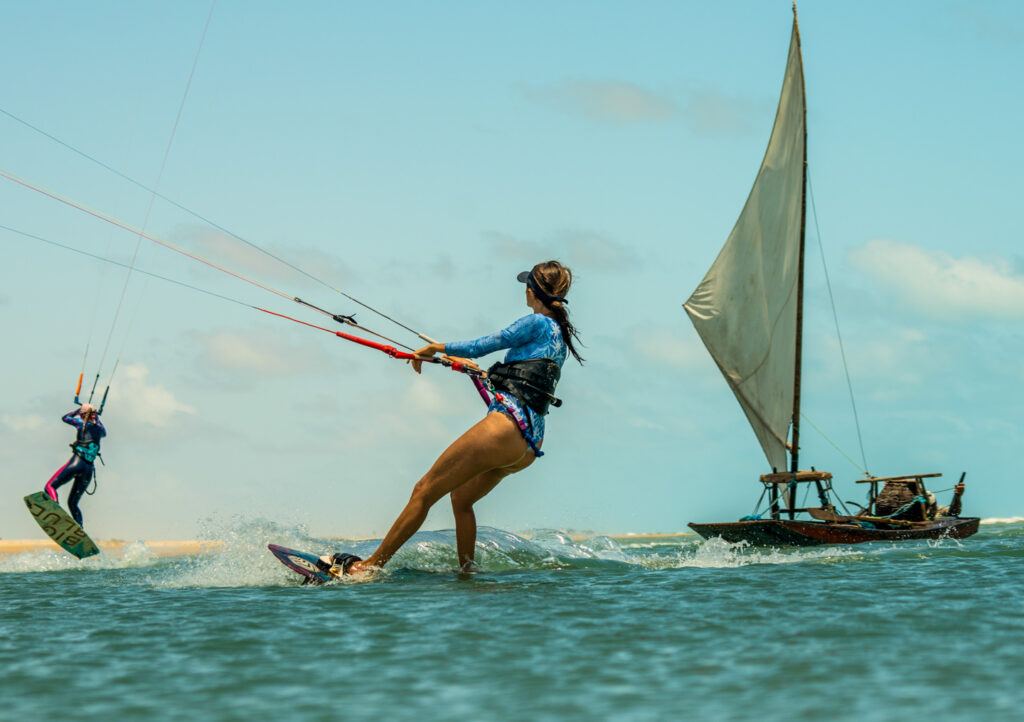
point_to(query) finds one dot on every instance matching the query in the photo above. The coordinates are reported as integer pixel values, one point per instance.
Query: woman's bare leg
(463, 499)
(466, 496)
(491, 443)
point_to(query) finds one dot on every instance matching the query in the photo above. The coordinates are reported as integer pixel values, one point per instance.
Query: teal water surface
(549, 629)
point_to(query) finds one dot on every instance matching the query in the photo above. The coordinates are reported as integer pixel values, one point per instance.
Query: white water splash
(134, 555)
(717, 553)
(241, 558)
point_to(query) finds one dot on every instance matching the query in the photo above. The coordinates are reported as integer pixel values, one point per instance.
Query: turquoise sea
(550, 629)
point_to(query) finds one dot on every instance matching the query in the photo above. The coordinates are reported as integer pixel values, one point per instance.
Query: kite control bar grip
(461, 367)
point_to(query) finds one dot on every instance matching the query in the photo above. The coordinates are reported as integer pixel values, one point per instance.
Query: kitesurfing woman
(84, 452)
(509, 437)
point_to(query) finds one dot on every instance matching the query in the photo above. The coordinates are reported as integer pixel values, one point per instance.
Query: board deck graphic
(303, 563)
(59, 525)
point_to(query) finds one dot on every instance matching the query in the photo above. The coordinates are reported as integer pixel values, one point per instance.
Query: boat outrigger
(748, 310)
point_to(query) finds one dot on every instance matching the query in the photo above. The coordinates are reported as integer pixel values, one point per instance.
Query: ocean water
(549, 629)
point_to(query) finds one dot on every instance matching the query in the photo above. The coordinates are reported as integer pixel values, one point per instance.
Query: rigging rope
(219, 227)
(178, 249)
(391, 351)
(149, 210)
(141, 233)
(839, 336)
(834, 445)
(123, 265)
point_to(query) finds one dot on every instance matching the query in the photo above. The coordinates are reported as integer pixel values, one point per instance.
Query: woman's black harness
(88, 450)
(532, 382)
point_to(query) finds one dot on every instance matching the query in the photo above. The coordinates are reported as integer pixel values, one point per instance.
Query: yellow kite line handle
(78, 391)
(138, 231)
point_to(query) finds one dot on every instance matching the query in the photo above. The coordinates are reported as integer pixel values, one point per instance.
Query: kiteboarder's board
(59, 526)
(303, 563)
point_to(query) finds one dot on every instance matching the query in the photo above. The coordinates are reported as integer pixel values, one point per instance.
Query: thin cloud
(614, 407)
(669, 347)
(882, 359)
(398, 270)
(434, 397)
(237, 351)
(144, 403)
(263, 353)
(316, 262)
(28, 422)
(233, 254)
(709, 112)
(989, 27)
(579, 249)
(936, 283)
(596, 251)
(614, 101)
(505, 245)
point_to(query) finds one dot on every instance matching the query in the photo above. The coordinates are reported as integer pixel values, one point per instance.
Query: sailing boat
(748, 311)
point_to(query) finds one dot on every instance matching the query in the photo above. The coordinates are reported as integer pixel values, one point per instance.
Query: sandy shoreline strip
(195, 546)
(114, 546)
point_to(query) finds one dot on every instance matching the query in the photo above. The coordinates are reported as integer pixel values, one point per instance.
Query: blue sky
(417, 157)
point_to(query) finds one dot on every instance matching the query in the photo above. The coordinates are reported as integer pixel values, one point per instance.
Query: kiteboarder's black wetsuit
(80, 467)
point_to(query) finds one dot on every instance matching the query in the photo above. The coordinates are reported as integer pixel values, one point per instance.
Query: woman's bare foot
(360, 567)
(338, 564)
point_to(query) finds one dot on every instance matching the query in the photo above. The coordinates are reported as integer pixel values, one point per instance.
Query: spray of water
(240, 557)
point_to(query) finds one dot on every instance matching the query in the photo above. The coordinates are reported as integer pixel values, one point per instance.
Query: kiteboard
(59, 526)
(303, 563)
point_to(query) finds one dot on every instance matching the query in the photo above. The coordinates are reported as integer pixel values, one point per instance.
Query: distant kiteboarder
(81, 467)
(509, 437)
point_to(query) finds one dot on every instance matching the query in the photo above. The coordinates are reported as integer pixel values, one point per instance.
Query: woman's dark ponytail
(555, 279)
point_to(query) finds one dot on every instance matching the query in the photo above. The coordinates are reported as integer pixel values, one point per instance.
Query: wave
(134, 555)
(241, 559)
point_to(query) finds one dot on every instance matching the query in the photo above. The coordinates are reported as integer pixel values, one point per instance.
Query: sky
(417, 156)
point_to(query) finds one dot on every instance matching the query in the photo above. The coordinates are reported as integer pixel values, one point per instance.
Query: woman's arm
(71, 417)
(429, 350)
(519, 333)
(426, 352)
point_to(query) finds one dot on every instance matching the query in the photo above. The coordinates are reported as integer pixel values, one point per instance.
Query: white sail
(745, 309)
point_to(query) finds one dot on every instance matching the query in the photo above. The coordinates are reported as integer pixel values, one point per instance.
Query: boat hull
(795, 532)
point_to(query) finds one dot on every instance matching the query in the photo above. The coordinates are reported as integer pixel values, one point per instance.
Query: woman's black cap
(546, 298)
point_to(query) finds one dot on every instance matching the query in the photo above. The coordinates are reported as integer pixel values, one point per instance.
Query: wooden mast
(795, 439)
